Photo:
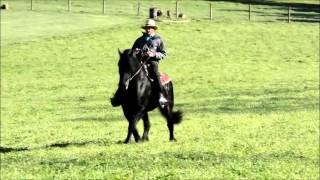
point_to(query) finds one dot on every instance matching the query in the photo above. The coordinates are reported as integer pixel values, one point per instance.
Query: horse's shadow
(94, 118)
(9, 149)
(4, 150)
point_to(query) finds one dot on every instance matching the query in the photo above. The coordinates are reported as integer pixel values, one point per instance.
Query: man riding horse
(150, 48)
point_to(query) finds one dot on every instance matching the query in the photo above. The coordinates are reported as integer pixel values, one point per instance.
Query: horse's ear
(130, 52)
(119, 52)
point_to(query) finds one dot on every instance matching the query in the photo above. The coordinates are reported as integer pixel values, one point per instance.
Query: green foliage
(249, 91)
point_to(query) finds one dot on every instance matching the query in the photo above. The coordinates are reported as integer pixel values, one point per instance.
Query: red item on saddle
(164, 78)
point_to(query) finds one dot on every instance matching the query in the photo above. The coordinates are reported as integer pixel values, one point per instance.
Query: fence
(192, 9)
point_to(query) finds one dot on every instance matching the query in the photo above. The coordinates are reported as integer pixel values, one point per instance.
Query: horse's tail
(176, 117)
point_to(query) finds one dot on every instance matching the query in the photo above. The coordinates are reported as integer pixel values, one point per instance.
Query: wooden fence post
(138, 9)
(31, 5)
(177, 7)
(250, 10)
(289, 14)
(69, 5)
(168, 13)
(210, 11)
(103, 4)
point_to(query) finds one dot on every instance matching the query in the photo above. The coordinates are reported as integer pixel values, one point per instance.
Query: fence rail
(211, 10)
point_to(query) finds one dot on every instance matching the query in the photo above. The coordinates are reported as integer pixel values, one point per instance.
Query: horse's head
(128, 64)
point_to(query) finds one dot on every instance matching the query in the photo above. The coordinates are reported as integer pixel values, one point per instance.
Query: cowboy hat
(150, 23)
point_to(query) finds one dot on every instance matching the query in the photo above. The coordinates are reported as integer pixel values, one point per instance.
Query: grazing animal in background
(140, 96)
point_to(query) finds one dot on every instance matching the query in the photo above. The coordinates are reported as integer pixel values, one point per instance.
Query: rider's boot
(162, 100)
(116, 100)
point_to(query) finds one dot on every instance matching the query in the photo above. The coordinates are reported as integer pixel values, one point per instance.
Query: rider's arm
(160, 53)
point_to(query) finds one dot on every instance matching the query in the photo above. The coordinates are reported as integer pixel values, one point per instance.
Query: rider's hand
(151, 54)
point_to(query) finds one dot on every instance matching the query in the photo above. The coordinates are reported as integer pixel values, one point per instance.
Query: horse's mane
(127, 52)
(126, 58)
(124, 55)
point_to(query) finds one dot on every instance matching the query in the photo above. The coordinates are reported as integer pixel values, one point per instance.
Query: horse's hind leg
(167, 113)
(171, 130)
(146, 124)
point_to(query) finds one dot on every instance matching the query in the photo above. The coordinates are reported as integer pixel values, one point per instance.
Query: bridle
(143, 66)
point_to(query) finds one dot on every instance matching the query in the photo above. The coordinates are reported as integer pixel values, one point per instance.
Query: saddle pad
(164, 78)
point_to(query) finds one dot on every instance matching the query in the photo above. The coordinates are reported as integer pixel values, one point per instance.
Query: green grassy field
(249, 93)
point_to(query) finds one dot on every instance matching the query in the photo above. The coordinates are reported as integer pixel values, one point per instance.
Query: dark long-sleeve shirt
(153, 43)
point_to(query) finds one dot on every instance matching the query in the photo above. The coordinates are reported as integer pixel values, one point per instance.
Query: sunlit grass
(249, 92)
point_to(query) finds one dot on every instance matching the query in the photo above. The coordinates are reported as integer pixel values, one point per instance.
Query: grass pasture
(222, 10)
(249, 93)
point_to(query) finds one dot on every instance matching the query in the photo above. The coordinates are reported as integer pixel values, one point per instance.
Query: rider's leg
(154, 72)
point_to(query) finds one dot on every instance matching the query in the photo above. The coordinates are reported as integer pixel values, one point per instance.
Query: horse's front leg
(135, 132)
(146, 125)
(130, 130)
(138, 116)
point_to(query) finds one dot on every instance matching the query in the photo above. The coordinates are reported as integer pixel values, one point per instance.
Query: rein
(136, 73)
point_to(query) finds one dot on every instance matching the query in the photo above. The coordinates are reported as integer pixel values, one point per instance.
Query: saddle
(164, 78)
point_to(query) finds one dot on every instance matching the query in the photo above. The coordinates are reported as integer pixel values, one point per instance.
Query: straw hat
(150, 23)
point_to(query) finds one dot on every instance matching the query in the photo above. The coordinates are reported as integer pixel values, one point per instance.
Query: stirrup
(163, 101)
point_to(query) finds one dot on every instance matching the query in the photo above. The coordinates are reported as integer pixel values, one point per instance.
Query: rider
(153, 46)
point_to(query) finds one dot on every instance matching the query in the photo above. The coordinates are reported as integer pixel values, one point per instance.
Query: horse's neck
(137, 67)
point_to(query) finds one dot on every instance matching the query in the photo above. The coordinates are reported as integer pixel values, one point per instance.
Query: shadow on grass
(301, 12)
(4, 150)
(256, 101)
(218, 158)
(107, 118)
(89, 105)
(9, 149)
(306, 6)
(67, 144)
(294, 17)
(263, 102)
(185, 160)
(101, 119)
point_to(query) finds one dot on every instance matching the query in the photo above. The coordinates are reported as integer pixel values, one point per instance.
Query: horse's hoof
(115, 102)
(173, 140)
(145, 139)
(126, 142)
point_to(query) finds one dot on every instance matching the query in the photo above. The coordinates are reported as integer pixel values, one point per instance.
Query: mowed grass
(249, 91)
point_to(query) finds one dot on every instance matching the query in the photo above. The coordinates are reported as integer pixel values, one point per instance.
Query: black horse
(139, 97)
